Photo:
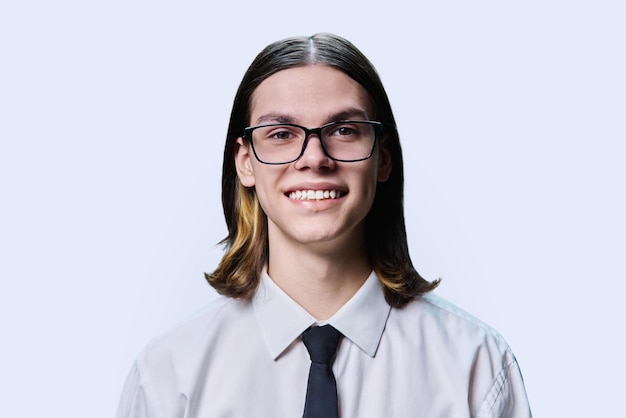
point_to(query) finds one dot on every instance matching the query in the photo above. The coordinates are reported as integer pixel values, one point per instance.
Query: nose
(313, 155)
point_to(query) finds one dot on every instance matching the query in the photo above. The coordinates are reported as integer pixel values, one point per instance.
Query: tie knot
(321, 342)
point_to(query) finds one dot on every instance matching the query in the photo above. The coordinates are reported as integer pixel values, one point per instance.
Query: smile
(314, 194)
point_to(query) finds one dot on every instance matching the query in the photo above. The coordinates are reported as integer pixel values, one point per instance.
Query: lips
(312, 194)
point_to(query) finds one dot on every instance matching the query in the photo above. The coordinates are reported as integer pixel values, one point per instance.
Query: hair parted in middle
(239, 272)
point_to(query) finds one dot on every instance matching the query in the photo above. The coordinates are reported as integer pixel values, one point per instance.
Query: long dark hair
(246, 244)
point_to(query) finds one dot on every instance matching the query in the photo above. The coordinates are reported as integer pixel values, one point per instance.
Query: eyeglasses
(344, 141)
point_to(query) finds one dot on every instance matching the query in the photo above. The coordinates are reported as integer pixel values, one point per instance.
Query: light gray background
(112, 121)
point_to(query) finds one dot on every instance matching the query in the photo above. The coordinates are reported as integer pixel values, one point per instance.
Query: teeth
(314, 194)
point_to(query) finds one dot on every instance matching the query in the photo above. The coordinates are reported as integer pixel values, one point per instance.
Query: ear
(384, 162)
(243, 163)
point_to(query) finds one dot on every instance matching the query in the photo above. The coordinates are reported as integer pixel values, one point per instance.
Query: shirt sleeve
(134, 400)
(507, 396)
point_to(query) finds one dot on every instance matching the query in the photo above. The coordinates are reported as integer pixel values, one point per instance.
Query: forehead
(312, 94)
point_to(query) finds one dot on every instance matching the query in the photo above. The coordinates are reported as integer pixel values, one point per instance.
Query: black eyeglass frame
(378, 127)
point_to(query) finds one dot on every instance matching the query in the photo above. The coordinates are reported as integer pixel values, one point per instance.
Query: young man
(322, 312)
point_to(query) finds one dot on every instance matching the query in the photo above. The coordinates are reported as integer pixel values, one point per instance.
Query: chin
(316, 238)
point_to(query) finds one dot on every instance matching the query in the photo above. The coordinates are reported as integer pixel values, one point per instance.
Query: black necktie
(321, 392)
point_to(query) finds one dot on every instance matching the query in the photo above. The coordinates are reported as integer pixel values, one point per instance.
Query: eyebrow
(346, 114)
(275, 118)
(350, 113)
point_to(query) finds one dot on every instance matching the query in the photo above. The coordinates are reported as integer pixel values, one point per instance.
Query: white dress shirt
(246, 359)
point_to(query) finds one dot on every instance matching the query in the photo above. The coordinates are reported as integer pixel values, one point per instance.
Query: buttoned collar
(361, 320)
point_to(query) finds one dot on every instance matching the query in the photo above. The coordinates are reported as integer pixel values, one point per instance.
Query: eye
(345, 130)
(281, 133)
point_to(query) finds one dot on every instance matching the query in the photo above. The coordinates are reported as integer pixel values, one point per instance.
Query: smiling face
(314, 200)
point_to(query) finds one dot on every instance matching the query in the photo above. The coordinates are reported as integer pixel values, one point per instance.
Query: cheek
(371, 173)
(266, 184)
(366, 181)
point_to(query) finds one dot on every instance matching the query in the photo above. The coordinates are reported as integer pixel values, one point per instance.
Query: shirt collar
(361, 320)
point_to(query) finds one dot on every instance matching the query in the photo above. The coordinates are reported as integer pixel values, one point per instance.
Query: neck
(321, 280)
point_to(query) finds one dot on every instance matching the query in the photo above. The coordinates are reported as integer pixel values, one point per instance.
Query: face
(314, 200)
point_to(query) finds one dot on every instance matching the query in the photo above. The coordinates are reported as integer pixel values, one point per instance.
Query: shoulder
(462, 352)
(186, 344)
(439, 333)
(166, 371)
(438, 317)
(212, 316)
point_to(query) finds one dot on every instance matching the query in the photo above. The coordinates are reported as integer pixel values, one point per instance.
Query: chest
(401, 380)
